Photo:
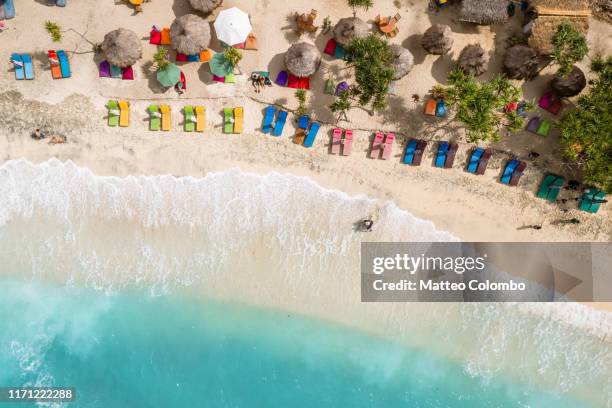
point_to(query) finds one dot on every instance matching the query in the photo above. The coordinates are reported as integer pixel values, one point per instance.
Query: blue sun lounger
(441, 155)
(510, 167)
(475, 160)
(9, 9)
(281, 118)
(312, 134)
(409, 153)
(17, 61)
(269, 112)
(60, 3)
(441, 109)
(303, 122)
(27, 66)
(64, 64)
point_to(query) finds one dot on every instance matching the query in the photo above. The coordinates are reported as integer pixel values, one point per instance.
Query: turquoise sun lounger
(590, 201)
(17, 61)
(281, 118)
(64, 64)
(312, 134)
(9, 9)
(510, 167)
(441, 155)
(551, 185)
(28, 66)
(269, 112)
(475, 160)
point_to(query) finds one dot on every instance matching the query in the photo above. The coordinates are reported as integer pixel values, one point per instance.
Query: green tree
(569, 47)
(342, 105)
(586, 130)
(160, 58)
(54, 31)
(300, 95)
(481, 106)
(365, 4)
(371, 59)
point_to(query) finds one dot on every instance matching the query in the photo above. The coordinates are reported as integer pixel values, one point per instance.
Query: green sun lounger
(154, 118)
(591, 200)
(113, 113)
(189, 119)
(544, 128)
(551, 185)
(228, 120)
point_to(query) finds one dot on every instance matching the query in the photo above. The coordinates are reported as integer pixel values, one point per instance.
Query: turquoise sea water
(133, 350)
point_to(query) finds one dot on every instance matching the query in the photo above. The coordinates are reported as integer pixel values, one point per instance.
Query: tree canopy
(586, 130)
(569, 47)
(365, 4)
(481, 106)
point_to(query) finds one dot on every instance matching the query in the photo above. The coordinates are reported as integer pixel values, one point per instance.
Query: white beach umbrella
(233, 26)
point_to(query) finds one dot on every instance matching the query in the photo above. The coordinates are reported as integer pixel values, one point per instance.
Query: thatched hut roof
(484, 11)
(473, 59)
(571, 85)
(521, 62)
(205, 6)
(549, 14)
(437, 39)
(403, 61)
(122, 47)
(349, 28)
(190, 34)
(561, 6)
(302, 59)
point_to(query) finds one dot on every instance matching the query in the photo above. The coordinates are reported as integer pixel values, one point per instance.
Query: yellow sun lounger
(200, 113)
(238, 119)
(124, 113)
(166, 118)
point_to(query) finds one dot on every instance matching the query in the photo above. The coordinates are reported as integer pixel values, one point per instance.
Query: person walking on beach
(366, 225)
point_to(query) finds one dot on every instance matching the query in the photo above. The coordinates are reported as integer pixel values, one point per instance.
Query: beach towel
(113, 113)
(388, 146)
(18, 65)
(409, 151)
(336, 141)
(484, 161)
(312, 134)
(304, 83)
(269, 113)
(347, 142)
(450, 155)
(508, 170)
(154, 117)
(281, 118)
(376, 142)
(238, 119)
(104, 70)
(64, 64)
(441, 154)
(155, 37)
(281, 79)
(124, 114)
(200, 113)
(474, 160)
(166, 118)
(330, 47)
(127, 73)
(165, 37)
(189, 119)
(56, 72)
(293, 81)
(228, 120)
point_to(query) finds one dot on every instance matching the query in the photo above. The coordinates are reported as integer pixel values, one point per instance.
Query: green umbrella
(220, 66)
(169, 76)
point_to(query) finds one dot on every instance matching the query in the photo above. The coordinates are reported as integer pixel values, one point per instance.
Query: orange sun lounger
(56, 71)
(165, 36)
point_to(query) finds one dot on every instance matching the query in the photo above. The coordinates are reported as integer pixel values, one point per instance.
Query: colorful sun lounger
(534, 124)
(340, 52)
(281, 118)
(475, 160)
(104, 70)
(591, 200)
(300, 133)
(330, 47)
(166, 118)
(268, 118)
(544, 128)
(517, 173)
(189, 118)
(484, 161)
(113, 113)
(293, 82)
(303, 121)
(508, 170)
(450, 155)
(64, 64)
(56, 71)
(441, 154)
(388, 146)
(304, 83)
(347, 142)
(418, 154)
(154, 118)
(115, 72)
(28, 67)
(409, 151)
(155, 36)
(441, 108)
(550, 187)
(200, 113)
(228, 120)
(430, 107)
(550, 103)
(336, 141)
(9, 9)
(376, 143)
(281, 78)
(312, 134)
(60, 3)
(165, 37)
(17, 61)
(124, 114)
(238, 119)
(127, 73)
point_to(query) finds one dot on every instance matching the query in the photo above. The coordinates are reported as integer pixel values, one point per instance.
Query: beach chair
(180, 57)
(281, 78)
(200, 114)
(154, 118)
(508, 170)
(9, 9)
(113, 113)
(484, 161)
(189, 118)
(127, 73)
(155, 36)
(339, 52)
(60, 3)
(104, 70)
(418, 153)
(517, 173)
(544, 128)
(124, 114)
(550, 187)
(228, 120)
(300, 133)
(165, 37)
(293, 81)
(336, 141)
(347, 142)
(409, 151)
(281, 118)
(238, 119)
(56, 72)
(303, 122)
(430, 108)
(474, 160)
(330, 47)
(441, 108)
(312, 134)
(534, 124)
(28, 67)
(450, 155)
(268, 118)
(166, 117)
(304, 83)
(115, 72)
(550, 103)
(251, 42)
(387, 147)
(591, 200)
(441, 154)
(230, 78)
(64, 64)
(18, 65)
(330, 87)
(376, 143)
(205, 55)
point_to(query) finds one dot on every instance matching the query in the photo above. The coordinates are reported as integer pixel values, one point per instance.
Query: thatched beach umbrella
(484, 11)
(521, 62)
(348, 29)
(437, 39)
(190, 34)
(403, 61)
(205, 6)
(473, 59)
(302, 59)
(570, 85)
(122, 47)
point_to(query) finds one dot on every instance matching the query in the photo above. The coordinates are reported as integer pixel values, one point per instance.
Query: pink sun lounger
(375, 149)
(388, 146)
(336, 141)
(347, 142)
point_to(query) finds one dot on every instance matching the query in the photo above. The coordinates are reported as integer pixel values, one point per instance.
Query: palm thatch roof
(571, 85)
(473, 59)
(561, 5)
(484, 11)
(122, 47)
(403, 61)
(549, 14)
(521, 62)
(205, 6)
(190, 34)
(349, 28)
(302, 59)
(437, 39)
